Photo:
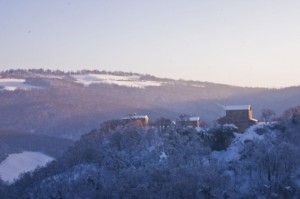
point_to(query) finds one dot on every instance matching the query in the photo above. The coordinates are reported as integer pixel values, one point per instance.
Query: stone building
(191, 121)
(239, 115)
(134, 118)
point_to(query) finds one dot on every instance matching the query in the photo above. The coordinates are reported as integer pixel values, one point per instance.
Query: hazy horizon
(251, 44)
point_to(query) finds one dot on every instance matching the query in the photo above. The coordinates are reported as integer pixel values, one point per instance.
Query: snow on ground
(250, 134)
(14, 84)
(49, 76)
(163, 157)
(128, 81)
(233, 151)
(198, 86)
(15, 164)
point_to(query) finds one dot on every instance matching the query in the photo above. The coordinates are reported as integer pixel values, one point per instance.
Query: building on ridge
(239, 115)
(192, 121)
(142, 119)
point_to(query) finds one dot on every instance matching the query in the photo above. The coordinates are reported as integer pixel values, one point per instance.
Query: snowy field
(15, 164)
(128, 81)
(14, 84)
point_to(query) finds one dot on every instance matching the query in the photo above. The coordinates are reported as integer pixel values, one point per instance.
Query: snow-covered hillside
(64, 107)
(15, 164)
(127, 81)
(173, 162)
(14, 84)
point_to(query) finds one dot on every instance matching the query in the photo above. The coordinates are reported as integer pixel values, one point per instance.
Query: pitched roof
(190, 118)
(130, 117)
(237, 107)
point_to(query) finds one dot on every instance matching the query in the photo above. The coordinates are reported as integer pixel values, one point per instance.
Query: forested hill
(127, 161)
(69, 104)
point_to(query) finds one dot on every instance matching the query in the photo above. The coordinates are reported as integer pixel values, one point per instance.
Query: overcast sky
(246, 43)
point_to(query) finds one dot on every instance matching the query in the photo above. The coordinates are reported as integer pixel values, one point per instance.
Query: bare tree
(267, 115)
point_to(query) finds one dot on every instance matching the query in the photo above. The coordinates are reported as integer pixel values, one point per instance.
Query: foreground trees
(128, 161)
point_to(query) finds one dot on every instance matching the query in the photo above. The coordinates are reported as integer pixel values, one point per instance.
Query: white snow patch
(250, 134)
(232, 153)
(237, 144)
(198, 86)
(205, 161)
(199, 129)
(163, 157)
(15, 164)
(127, 81)
(14, 84)
(50, 76)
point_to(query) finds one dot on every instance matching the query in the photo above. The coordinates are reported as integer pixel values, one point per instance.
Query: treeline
(41, 71)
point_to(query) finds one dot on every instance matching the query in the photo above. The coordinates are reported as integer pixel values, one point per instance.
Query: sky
(246, 43)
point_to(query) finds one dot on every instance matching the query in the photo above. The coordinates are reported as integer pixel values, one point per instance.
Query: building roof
(237, 107)
(130, 117)
(190, 118)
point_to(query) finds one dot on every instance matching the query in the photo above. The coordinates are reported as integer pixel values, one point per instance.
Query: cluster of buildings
(239, 115)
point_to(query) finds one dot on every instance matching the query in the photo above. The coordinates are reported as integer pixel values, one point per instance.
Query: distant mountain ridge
(69, 104)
